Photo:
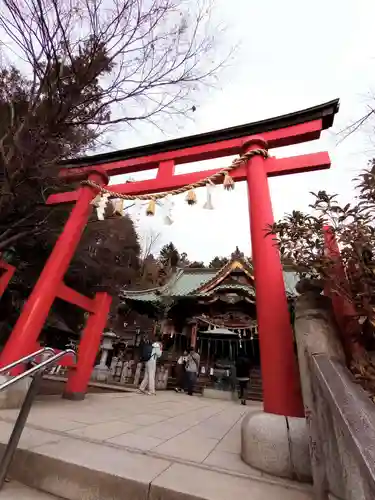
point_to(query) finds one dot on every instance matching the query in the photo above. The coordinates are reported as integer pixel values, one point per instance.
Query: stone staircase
(255, 392)
(76, 469)
(67, 452)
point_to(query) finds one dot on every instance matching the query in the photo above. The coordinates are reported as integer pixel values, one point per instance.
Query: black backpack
(146, 352)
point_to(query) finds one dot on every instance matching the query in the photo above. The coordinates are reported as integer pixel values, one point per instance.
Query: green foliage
(218, 262)
(110, 251)
(169, 256)
(197, 264)
(300, 239)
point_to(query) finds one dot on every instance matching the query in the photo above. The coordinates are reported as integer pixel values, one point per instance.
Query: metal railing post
(37, 373)
(18, 427)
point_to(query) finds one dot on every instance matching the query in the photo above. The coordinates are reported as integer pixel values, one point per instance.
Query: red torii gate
(280, 377)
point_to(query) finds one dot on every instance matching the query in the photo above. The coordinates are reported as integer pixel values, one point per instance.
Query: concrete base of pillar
(74, 396)
(276, 445)
(100, 373)
(13, 396)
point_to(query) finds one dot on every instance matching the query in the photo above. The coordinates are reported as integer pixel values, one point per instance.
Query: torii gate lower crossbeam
(281, 385)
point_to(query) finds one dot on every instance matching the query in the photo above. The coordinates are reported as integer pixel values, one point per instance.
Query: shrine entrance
(252, 142)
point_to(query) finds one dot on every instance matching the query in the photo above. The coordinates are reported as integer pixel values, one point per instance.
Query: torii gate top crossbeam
(285, 130)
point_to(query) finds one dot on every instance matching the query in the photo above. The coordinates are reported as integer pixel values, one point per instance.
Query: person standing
(181, 372)
(151, 354)
(192, 369)
(243, 374)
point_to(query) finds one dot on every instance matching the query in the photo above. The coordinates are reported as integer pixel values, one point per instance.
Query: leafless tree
(149, 242)
(153, 54)
(72, 69)
(149, 268)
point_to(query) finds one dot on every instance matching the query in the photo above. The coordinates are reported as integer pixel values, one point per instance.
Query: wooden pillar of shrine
(193, 336)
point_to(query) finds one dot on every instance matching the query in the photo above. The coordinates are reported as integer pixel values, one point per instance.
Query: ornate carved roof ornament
(237, 254)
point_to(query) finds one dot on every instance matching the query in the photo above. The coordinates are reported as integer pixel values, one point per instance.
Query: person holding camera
(192, 369)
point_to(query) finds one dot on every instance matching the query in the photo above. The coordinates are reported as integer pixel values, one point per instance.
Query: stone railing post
(316, 333)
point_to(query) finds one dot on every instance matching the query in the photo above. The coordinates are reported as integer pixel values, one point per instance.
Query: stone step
(72, 470)
(17, 491)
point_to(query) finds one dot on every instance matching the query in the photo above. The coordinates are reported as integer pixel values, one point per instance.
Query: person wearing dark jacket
(192, 369)
(243, 367)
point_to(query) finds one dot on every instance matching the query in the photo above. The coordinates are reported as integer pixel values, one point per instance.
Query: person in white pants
(150, 370)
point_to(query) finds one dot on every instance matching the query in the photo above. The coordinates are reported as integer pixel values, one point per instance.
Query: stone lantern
(101, 371)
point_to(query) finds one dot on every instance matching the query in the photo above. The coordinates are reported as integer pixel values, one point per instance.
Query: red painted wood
(165, 181)
(7, 276)
(193, 339)
(88, 349)
(36, 309)
(298, 164)
(66, 361)
(165, 169)
(344, 310)
(275, 138)
(69, 295)
(280, 377)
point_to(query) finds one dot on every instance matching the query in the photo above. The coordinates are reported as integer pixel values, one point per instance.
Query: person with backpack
(150, 354)
(192, 370)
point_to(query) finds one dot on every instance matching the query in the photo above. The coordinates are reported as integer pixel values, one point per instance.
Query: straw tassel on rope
(191, 197)
(228, 182)
(150, 208)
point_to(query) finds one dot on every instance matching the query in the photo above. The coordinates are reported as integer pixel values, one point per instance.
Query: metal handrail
(25, 359)
(36, 372)
(36, 368)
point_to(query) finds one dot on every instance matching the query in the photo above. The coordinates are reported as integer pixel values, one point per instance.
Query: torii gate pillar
(280, 375)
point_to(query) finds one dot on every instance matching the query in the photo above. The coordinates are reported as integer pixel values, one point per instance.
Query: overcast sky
(292, 55)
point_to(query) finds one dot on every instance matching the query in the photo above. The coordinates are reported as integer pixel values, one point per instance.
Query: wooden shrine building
(212, 309)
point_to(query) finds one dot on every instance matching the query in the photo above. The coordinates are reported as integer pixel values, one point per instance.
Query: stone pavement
(185, 431)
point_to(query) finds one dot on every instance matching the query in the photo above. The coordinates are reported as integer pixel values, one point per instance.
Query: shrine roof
(229, 287)
(182, 283)
(325, 112)
(197, 282)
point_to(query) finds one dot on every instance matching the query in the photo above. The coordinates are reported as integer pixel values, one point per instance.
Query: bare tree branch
(154, 53)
